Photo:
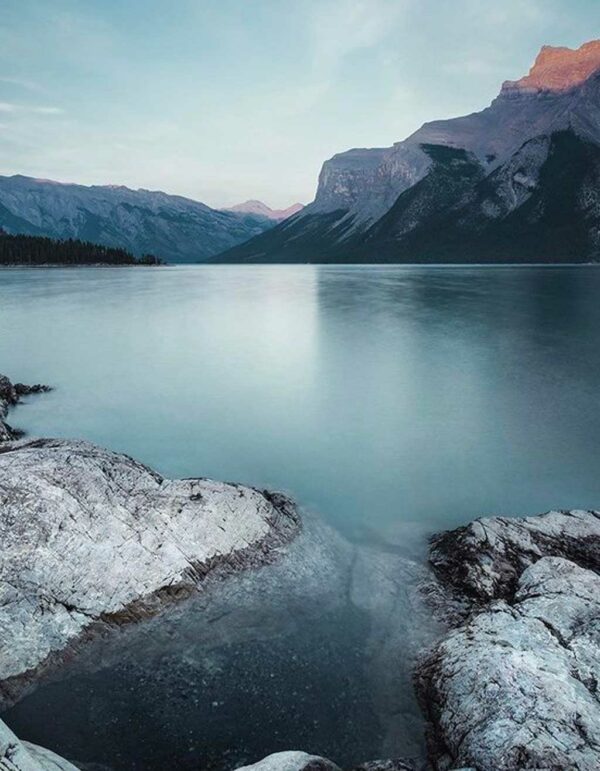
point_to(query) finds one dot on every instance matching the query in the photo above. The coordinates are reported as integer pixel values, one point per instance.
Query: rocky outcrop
(16, 755)
(90, 537)
(515, 686)
(558, 68)
(484, 560)
(9, 396)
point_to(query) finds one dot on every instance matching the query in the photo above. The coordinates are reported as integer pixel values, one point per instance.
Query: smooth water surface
(391, 401)
(375, 395)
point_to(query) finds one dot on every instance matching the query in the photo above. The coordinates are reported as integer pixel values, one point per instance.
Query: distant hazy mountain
(519, 181)
(142, 221)
(262, 210)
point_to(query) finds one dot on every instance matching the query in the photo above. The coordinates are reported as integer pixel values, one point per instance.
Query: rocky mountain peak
(558, 68)
(262, 210)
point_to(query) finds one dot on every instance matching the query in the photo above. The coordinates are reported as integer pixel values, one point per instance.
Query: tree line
(40, 250)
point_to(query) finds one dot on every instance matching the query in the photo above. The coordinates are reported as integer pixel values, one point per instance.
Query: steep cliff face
(360, 192)
(142, 221)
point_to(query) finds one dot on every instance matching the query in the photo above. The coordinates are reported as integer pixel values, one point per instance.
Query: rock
(484, 559)
(301, 761)
(23, 756)
(93, 538)
(25, 390)
(9, 397)
(292, 761)
(8, 393)
(515, 687)
(385, 765)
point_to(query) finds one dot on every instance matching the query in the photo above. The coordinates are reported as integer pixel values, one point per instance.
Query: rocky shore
(515, 685)
(141, 541)
(510, 684)
(10, 395)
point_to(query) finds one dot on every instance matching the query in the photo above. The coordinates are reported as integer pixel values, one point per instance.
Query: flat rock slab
(93, 537)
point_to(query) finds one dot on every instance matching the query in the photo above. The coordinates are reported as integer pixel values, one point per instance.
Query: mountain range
(174, 228)
(262, 210)
(517, 182)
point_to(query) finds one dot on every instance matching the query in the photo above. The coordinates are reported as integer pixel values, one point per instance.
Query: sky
(225, 100)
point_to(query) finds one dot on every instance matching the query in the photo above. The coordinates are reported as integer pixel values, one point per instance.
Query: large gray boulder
(90, 537)
(515, 686)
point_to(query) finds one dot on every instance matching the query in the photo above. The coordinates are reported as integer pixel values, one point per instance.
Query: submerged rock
(93, 538)
(16, 755)
(516, 685)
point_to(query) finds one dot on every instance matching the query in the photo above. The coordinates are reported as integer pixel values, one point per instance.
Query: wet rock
(9, 397)
(26, 390)
(16, 755)
(92, 538)
(292, 761)
(515, 686)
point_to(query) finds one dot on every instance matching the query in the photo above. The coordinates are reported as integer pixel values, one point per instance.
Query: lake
(389, 401)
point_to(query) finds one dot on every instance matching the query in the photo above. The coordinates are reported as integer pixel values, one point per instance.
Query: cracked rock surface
(90, 537)
(516, 685)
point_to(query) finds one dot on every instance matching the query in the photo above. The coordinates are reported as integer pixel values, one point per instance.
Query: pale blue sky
(223, 100)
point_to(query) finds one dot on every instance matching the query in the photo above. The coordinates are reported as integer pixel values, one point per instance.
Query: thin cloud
(47, 110)
(10, 107)
(29, 85)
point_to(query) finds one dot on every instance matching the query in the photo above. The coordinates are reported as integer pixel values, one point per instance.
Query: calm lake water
(391, 401)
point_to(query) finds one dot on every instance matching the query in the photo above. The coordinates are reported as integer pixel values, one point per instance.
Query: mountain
(175, 229)
(262, 210)
(516, 182)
